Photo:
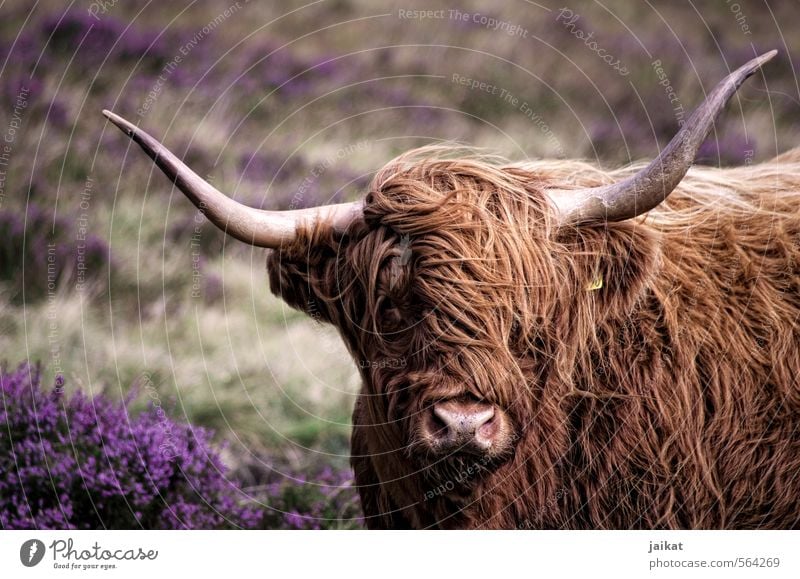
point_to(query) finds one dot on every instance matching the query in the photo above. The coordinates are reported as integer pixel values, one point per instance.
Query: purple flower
(50, 250)
(318, 498)
(87, 463)
(93, 40)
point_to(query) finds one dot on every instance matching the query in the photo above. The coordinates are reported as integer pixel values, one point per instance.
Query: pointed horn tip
(124, 125)
(111, 116)
(748, 69)
(767, 56)
(759, 61)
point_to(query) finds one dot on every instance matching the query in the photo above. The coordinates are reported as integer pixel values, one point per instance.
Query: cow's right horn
(643, 191)
(253, 226)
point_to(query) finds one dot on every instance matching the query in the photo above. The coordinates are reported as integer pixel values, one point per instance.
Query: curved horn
(253, 226)
(650, 186)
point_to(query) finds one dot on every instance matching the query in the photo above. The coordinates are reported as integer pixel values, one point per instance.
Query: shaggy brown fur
(668, 398)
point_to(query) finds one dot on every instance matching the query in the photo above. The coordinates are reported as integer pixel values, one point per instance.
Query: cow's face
(439, 299)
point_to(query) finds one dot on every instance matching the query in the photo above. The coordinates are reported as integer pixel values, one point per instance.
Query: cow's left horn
(253, 226)
(650, 186)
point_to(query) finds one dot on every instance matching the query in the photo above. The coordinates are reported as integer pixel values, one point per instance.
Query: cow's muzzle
(466, 426)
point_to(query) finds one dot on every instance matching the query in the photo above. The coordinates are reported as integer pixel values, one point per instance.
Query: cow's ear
(611, 264)
(300, 274)
(295, 283)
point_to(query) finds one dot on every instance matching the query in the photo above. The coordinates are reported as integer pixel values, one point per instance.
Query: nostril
(483, 417)
(444, 416)
(437, 425)
(488, 429)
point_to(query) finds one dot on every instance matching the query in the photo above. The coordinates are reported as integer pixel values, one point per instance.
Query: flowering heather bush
(325, 499)
(95, 39)
(48, 251)
(81, 463)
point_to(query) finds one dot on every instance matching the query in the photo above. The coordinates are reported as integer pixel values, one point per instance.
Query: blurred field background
(110, 277)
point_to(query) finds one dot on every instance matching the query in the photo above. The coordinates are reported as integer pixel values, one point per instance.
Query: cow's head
(442, 281)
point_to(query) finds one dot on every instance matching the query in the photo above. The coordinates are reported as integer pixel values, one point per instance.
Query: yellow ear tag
(596, 284)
